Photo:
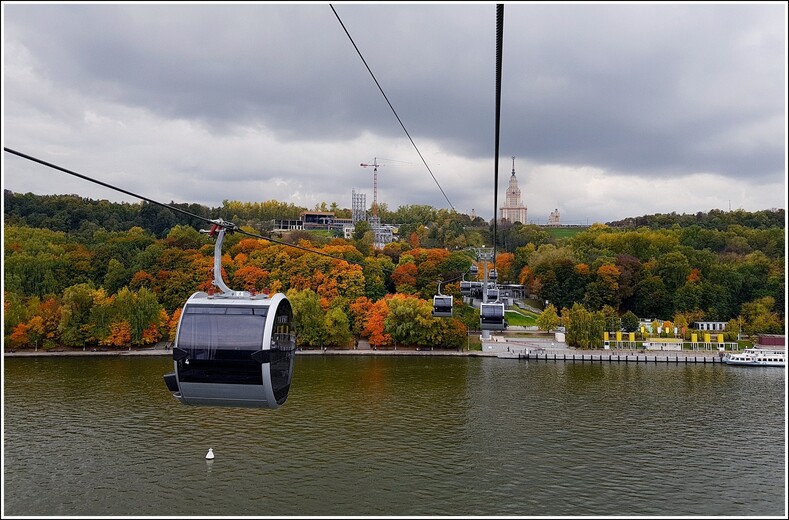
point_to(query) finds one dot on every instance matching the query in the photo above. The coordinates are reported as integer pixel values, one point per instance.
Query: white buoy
(210, 454)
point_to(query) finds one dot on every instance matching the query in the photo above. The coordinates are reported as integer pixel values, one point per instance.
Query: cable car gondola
(492, 275)
(474, 270)
(476, 289)
(491, 316)
(465, 288)
(442, 304)
(235, 348)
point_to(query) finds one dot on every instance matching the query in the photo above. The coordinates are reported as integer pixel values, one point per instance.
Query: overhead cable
(499, 51)
(227, 225)
(391, 107)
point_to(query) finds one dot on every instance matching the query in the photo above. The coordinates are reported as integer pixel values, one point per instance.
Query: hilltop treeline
(714, 219)
(72, 213)
(81, 273)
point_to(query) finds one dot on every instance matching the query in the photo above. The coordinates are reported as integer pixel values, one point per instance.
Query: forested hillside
(82, 272)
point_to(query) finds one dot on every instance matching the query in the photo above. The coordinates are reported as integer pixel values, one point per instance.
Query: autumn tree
(548, 318)
(142, 312)
(404, 277)
(308, 317)
(357, 314)
(75, 326)
(584, 328)
(758, 317)
(375, 328)
(172, 324)
(410, 321)
(337, 327)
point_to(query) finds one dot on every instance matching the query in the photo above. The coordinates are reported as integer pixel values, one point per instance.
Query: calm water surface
(399, 436)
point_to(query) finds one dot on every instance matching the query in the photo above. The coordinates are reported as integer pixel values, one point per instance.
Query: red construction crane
(375, 166)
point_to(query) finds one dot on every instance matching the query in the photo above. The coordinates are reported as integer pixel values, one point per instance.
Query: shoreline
(559, 351)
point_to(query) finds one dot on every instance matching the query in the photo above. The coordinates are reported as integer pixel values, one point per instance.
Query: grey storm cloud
(634, 91)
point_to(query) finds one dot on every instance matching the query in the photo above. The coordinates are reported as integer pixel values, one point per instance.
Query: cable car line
(214, 222)
(499, 52)
(85, 177)
(491, 315)
(391, 107)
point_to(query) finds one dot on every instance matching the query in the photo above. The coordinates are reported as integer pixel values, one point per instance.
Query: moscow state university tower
(513, 210)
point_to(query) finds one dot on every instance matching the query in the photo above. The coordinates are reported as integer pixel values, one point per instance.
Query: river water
(399, 436)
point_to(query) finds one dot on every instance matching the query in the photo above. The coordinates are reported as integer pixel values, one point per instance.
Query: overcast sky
(611, 110)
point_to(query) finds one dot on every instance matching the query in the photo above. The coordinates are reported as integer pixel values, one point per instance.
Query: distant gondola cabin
(491, 316)
(442, 306)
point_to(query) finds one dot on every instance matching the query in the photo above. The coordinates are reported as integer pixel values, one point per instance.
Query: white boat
(760, 357)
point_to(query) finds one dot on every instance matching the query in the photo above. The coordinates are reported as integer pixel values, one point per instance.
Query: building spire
(513, 166)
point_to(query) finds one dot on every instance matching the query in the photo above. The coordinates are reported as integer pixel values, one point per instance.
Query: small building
(709, 325)
(281, 225)
(663, 344)
(772, 341)
(317, 219)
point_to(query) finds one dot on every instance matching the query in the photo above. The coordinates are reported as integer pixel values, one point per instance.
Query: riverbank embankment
(557, 353)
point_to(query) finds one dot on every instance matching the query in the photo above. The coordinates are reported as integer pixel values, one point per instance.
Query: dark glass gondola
(465, 288)
(491, 316)
(493, 294)
(474, 270)
(442, 306)
(492, 275)
(234, 348)
(476, 289)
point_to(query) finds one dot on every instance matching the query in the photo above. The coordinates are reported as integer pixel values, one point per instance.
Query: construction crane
(375, 166)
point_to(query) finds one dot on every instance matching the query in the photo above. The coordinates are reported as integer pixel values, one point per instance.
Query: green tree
(360, 229)
(630, 322)
(651, 298)
(75, 326)
(117, 276)
(410, 321)
(548, 318)
(584, 328)
(338, 330)
(758, 317)
(141, 311)
(185, 237)
(674, 269)
(308, 318)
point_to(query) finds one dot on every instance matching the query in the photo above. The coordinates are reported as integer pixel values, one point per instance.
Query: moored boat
(760, 357)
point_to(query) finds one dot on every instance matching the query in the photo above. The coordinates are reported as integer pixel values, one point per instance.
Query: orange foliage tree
(505, 262)
(374, 329)
(172, 324)
(251, 277)
(19, 336)
(120, 334)
(608, 274)
(357, 314)
(404, 277)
